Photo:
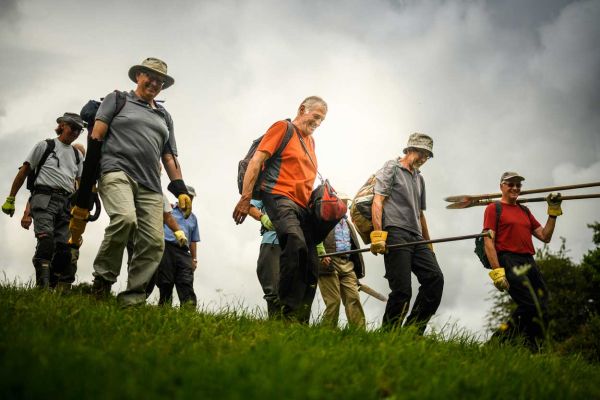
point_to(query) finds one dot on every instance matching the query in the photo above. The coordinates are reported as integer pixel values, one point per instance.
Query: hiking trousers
(137, 212)
(529, 291)
(399, 263)
(298, 264)
(175, 270)
(341, 285)
(267, 270)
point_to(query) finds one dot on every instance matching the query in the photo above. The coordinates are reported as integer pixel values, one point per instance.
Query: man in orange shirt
(286, 183)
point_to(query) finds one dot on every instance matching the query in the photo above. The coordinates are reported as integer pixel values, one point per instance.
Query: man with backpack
(51, 170)
(397, 216)
(132, 141)
(510, 254)
(285, 188)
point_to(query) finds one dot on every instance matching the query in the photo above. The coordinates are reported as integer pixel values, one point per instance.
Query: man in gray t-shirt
(53, 183)
(398, 205)
(132, 140)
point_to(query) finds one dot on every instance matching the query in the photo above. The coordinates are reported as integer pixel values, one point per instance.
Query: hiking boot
(101, 288)
(42, 273)
(63, 287)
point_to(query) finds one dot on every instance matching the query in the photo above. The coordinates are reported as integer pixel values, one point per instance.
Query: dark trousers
(175, 269)
(399, 263)
(267, 270)
(298, 264)
(530, 293)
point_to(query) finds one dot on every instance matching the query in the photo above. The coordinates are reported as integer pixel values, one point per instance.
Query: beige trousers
(341, 285)
(135, 212)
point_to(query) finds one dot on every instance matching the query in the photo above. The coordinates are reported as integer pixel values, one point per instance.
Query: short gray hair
(310, 101)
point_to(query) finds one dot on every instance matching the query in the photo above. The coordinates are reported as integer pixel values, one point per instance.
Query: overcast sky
(499, 85)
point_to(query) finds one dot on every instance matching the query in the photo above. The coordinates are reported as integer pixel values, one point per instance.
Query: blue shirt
(343, 242)
(269, 237)
(188, 226)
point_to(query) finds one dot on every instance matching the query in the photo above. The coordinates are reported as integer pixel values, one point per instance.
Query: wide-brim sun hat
(511, 175)
(419, 141)
(73, 119)
(154, 65)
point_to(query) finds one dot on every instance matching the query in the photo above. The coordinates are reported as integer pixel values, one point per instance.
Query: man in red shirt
(286, 185)
(510, 254)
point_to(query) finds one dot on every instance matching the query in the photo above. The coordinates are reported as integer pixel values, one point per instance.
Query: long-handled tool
(485, 202)
(371, 292)
(462, 198)
(395, 246)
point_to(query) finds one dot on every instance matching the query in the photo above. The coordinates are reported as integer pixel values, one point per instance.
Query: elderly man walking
(285, 188)
(132, 142)
(56, 166)
(398, 205)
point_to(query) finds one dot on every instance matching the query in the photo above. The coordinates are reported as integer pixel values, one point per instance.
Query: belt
(49, 190)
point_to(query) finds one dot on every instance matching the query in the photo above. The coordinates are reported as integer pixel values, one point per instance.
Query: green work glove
(181, 239)
(554, 200)
(9, 206)
(321, 249)
(185, 204)
(378, 239)
(266, 222)
(499, 278)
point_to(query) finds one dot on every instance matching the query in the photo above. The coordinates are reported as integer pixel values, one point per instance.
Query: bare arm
(170, 221)
(100, 129)
(424, 229)
(545, 234)
(490, 251)
(254, 166)
(377, 211)
(194, 257)
(20, 179)
(172, 167)
(255, 213)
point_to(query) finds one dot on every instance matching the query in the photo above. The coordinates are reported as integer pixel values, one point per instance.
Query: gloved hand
(181, 239)
(9, 206)
(79, 217)
(430, 245)
(499, 278)
(185, 204)
(266, 222)
(321, 249)
(554, 200)
(378, 239)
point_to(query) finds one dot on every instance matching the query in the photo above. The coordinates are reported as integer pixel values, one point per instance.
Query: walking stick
(462, 198)
(371, 292)
(485, 202)
(395, 246)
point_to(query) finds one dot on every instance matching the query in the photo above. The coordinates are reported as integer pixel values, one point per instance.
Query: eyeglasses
(512, 184)
(154, 77)
(424, 154)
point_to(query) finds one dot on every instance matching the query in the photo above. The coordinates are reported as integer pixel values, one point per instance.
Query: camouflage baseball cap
(72, 119)
(510, 175)
(419, 141)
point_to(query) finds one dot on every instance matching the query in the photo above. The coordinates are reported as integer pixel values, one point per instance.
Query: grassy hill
(72, 346)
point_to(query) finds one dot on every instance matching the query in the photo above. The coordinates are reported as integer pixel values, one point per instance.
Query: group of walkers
(131, 134)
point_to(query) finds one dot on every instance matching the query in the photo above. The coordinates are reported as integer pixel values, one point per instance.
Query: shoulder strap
(120, 102)
(76, 155)
(308, 154)
(524, 208)
(498, 212)
(49, 149)
(286, 138)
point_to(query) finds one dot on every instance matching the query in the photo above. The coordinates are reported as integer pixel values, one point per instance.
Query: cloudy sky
(510, 85)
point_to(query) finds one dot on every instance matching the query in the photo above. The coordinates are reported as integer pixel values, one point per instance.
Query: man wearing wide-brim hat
(51, 169)
(141, 136)
(397, 216)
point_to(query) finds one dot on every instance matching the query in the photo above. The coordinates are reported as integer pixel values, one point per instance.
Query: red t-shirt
(516, 227)
(294, 171)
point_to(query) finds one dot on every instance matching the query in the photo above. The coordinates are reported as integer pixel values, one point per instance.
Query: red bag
(325, 205)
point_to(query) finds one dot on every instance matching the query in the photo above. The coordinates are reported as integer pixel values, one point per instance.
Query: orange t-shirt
(292, 174)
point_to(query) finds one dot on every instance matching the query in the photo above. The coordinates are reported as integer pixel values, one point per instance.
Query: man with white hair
(397, 216)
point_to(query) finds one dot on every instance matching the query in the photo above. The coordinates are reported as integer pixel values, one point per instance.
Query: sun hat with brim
(419, 141)
(73, 119)
(154, 65)
(507, 176)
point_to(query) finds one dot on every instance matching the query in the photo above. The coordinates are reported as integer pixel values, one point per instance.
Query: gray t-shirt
(139, 135)
(60, 169)
(405, 193)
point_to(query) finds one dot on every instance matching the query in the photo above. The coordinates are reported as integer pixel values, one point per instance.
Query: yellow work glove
(181, 239)
(554, 200)
(499, 278)
(430, 245)
(9, 206)
(321, 249)
(185, 204)
(378, 239)
(266, 222)
(79, 217)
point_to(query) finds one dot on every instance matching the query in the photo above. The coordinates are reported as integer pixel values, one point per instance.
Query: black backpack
(33, 173)
(243, 163)
(89, 110)
(479, 242)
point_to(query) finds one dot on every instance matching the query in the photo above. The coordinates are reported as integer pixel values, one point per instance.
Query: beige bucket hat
(153, 65)
(419, 141)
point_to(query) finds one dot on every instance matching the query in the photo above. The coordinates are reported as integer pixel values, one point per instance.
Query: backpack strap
(498, 212)
(49, 149)
(77, 159)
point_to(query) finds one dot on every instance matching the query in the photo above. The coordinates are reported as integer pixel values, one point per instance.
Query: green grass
(72, 346)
